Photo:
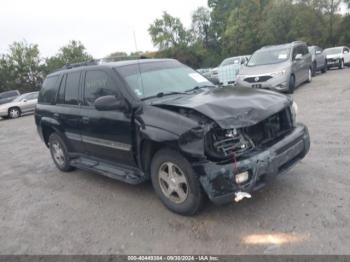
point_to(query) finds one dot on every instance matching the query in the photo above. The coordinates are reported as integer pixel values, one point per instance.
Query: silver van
(280, 67)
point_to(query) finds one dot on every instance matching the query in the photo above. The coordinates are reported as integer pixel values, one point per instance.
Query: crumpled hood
(232, 107)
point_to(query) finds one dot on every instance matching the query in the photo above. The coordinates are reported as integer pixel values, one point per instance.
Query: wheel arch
(14, 107)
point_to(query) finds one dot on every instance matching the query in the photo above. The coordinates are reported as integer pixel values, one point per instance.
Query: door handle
(86, 120)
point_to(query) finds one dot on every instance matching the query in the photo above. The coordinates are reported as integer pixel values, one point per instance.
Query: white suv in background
(338, 56)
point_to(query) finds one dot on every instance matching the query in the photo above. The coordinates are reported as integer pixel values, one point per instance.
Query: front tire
(14, 112)
(309, 79)
(59, 153)
(175, 183)
(314, 69)
(291, 86)
(341, 66)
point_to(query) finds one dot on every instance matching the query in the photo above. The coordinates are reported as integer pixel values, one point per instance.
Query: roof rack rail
(101, 61)
(87, 63)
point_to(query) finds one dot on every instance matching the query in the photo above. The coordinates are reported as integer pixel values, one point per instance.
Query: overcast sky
(104, 26)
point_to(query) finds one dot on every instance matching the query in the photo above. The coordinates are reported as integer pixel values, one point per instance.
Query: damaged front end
(243, 160)
(239, 140)
(239, 161)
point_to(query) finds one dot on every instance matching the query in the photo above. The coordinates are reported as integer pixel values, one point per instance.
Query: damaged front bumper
(219, 181)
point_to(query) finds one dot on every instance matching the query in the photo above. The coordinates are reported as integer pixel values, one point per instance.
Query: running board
(128, 175)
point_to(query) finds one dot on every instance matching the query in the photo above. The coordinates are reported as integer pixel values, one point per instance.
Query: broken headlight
(225, 144)
(294, 111)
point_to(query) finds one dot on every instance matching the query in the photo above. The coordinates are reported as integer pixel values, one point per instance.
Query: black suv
(160, 120)
(8, 96)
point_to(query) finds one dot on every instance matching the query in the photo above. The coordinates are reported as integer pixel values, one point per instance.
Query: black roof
(101, 63)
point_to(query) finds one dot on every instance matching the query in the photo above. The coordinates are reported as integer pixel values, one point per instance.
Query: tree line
(239, 27)
(226, 28)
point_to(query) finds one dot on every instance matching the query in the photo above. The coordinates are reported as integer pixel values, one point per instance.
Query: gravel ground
(44, 211)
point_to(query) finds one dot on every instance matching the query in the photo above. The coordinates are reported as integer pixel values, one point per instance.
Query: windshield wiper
(162, 94)
(196, 88)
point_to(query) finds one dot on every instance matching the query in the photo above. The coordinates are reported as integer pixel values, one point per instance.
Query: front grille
(237, 143)
(257, 79)
(222, 145)
(334, 60)
(271, 130)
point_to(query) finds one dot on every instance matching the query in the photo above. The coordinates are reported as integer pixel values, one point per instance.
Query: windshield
(231, 61)
(161, 77)
(269, 56)
(333, 51)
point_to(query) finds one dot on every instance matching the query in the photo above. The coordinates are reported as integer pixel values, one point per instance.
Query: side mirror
(109, 103)
(298, 57)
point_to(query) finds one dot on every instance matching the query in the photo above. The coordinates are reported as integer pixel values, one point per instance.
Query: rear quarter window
(48, 92)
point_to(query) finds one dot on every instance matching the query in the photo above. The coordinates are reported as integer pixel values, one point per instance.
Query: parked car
(319, 60)
(206, 72)
(8, 96)
(209, 74)
(229, 69)
(20, 105)
(215, 73)
(338, 57)
(281, 68)
(174, 128)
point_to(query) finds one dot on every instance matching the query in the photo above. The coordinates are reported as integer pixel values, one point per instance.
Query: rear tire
(291, 86)
(324, 69)
(175, 183)
(59, 153)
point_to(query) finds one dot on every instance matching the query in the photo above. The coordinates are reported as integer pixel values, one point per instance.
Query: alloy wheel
(173, 182)
(310, 75)
(14, 113)
(58, 153)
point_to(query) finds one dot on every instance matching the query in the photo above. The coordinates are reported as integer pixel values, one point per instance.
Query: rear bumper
(218, 181)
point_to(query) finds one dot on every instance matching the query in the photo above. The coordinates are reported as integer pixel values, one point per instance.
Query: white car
(338, 56)
(21, 105)
(229, 69)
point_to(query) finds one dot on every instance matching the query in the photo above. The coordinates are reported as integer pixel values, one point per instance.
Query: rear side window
(8, 94)
(32, 96)
(71, 96)
(97, 84)
(49, 90)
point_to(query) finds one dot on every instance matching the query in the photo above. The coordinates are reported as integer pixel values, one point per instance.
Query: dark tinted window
(62, 89)
(32, 96)
(49, 90)
(71, 96)
(299, 50)
(304, 50)
(97, 84)
(8, 94)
